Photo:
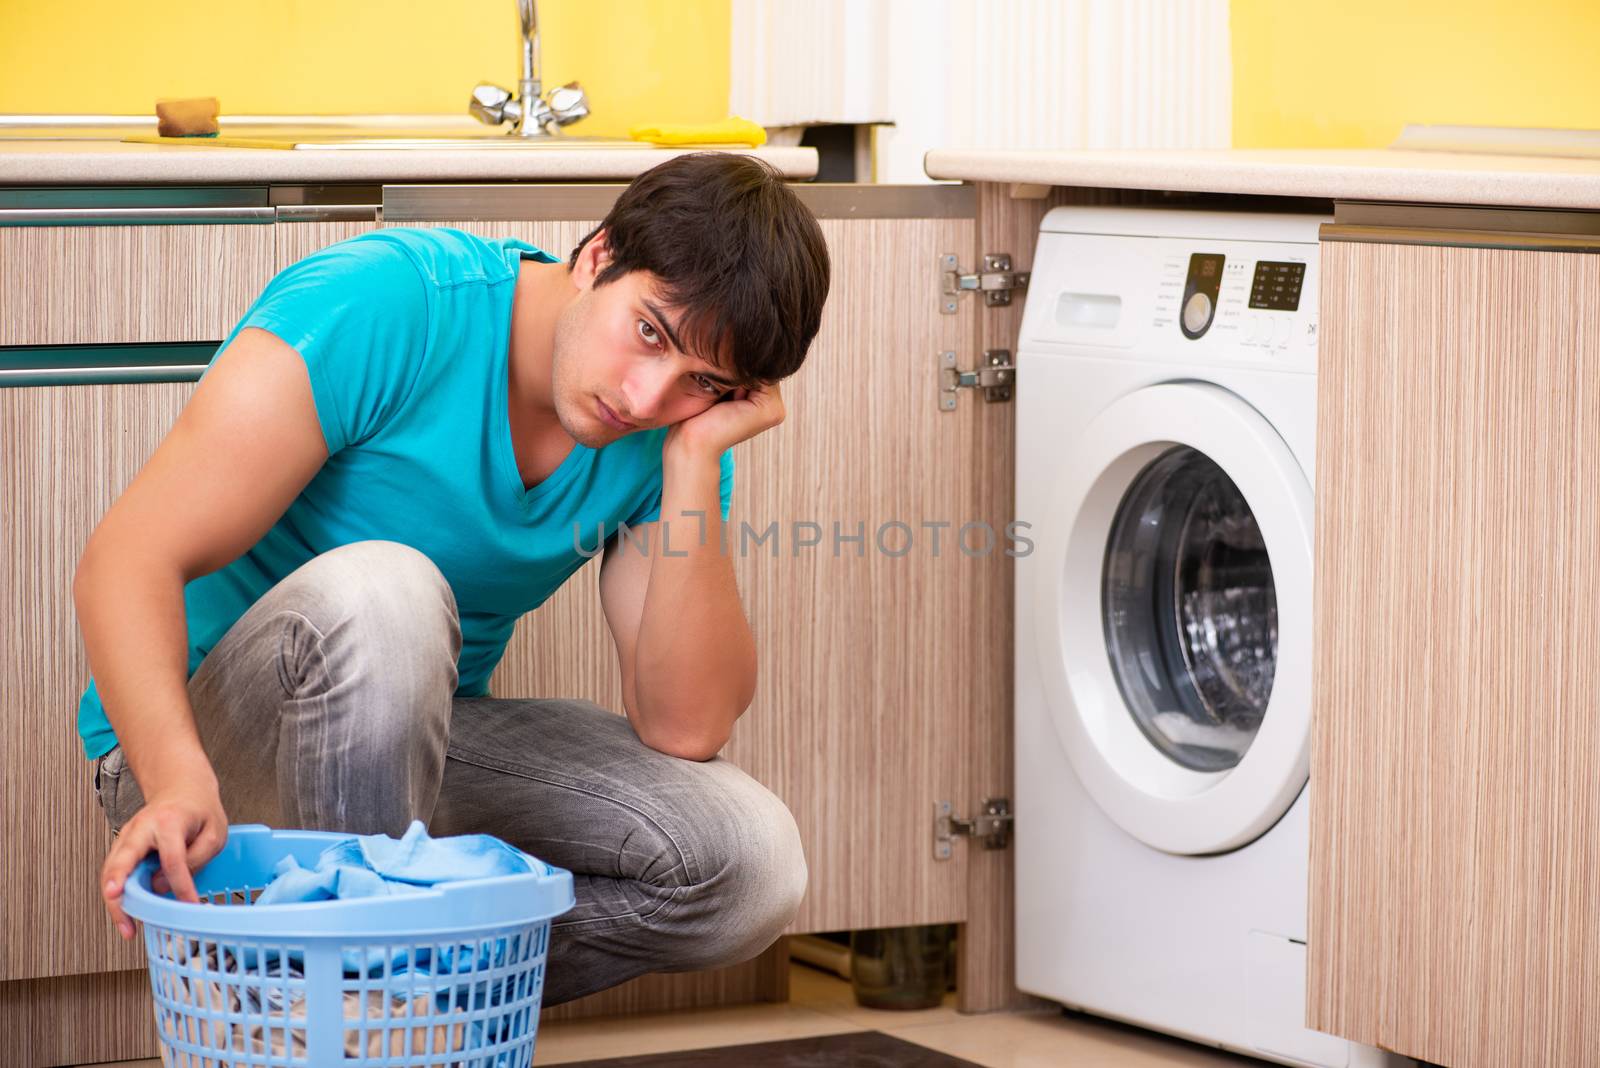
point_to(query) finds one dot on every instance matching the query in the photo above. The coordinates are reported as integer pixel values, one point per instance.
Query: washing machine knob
(1196, 313)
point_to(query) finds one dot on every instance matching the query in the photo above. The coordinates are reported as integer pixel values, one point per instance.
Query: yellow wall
(1351, 73)
(639, 60)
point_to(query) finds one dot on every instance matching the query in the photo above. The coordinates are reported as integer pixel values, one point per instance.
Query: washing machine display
(1200, 293)
(1191, 614)
(1276, 286)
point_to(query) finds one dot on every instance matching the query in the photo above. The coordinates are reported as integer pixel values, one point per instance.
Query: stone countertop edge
(115, 163)
(1336, 174)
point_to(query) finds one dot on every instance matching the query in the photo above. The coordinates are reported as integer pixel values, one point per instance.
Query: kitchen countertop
(1342, 174)
(86, 162)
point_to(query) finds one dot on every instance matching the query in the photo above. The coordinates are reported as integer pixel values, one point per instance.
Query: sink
(343, 132)
(489, 141)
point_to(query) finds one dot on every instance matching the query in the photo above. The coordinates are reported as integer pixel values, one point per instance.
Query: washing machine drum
(1173, 617)
(1190, 612)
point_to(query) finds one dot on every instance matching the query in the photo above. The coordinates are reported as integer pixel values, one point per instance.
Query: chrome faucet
(534, 114)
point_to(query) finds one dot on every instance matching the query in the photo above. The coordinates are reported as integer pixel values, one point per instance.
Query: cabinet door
(873, 657)
(874, 662)
(69, 451)
(81, 285)
(1454, 906)
(294, 241)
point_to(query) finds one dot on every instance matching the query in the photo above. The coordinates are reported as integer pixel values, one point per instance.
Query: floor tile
(823, 1004)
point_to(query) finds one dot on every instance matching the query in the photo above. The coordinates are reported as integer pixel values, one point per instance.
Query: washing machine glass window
(1190, 611)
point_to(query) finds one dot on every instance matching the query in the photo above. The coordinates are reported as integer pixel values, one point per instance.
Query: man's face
(616, 359)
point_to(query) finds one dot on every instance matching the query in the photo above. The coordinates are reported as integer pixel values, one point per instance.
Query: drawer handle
(133, 216)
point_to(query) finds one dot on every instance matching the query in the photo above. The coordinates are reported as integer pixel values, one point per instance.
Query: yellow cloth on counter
(730, 131)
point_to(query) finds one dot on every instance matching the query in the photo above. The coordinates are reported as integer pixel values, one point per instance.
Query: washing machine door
(1173, 614)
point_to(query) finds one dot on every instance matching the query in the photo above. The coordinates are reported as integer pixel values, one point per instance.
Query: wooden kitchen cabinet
(294, 241)
(1454, 895)
(878, 672)
(69, 451)
(70, 991)
(82, 285)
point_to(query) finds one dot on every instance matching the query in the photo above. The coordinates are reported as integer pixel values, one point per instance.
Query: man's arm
(687, 656)
(684, 647)
(245, 445)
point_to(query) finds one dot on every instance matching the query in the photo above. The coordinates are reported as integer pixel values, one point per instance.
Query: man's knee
(758, 877)
(384, 608)
(365, 632)
(376, 579)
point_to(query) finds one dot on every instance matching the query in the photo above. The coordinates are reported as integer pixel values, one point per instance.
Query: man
(293, 611)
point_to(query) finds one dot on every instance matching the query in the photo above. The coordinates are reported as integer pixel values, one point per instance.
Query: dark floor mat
(859, 1049)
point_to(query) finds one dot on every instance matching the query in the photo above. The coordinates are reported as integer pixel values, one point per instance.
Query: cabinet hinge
(995, 281)
(992, 826)
(995, 376)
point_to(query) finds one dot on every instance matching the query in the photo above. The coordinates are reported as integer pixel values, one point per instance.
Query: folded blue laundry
(372, 865)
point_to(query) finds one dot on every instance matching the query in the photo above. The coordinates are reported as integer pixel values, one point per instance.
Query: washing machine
(1166, 417)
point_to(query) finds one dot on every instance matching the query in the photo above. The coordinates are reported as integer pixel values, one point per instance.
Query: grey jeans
(329, 706)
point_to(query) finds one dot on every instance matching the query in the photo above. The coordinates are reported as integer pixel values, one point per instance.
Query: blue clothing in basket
(375, 864)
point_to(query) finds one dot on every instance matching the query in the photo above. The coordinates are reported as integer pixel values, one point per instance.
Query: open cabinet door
(876, 653)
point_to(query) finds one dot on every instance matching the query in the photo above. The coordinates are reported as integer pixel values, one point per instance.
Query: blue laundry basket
(450, 975)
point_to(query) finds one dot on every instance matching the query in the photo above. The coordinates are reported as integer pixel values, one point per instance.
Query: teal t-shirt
(405, 335)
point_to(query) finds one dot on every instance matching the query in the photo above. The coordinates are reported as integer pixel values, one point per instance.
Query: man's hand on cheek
(741, 415)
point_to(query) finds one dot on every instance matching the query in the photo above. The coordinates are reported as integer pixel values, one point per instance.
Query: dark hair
(736, 253)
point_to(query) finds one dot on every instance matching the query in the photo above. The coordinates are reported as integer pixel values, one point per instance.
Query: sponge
(190, 117)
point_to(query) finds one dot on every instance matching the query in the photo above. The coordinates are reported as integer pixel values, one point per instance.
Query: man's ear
(591, 261)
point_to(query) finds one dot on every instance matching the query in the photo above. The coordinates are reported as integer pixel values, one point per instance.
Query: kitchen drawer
(76, 285)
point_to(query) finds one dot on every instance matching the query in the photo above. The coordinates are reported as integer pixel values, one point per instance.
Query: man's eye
(705, 385)
(648, 332)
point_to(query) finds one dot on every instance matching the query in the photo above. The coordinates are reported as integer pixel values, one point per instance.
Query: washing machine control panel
(1239, 295)
(1239, 289)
